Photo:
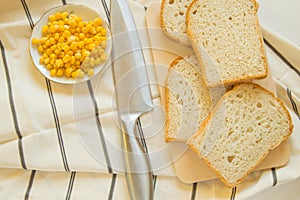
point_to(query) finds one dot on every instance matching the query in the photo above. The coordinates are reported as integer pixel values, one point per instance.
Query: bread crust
(210, 116)
(200, 57)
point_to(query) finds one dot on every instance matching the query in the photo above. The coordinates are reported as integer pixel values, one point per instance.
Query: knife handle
(137, 164)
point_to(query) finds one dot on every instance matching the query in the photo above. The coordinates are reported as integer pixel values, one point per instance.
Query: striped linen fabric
(44, 157)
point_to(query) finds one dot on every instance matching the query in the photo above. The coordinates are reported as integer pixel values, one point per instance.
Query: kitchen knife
(133, 98)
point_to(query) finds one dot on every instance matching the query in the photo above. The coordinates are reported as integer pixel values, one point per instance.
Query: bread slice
(243, 127)
(173, 19)
(226, 37)
(187, 99)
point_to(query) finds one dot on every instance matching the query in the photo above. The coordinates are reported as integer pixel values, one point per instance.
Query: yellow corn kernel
(68, 72)
(73, 46)
(53, 72)
(64, 15)
(75, 74)
(46, 60)
(43, 40)
(41, 60)
(77, 62)
(56, 36)
(77, 55)
(100, 51)
(66, 48)
(60, 72)
(40, 49)
(92, 62)
(90, 72)
(53, 47)
(91, 46)
(61, 39)
(70, 53)
(80, 44)
(68, 65)
(48, 52)
(52, 55)
(72, 23)
(45, 29)
(103, 57)
(86, 53)
(61, 28)
(103, 44)
(59, 63)
(103, 32)
(72, 61)
(84, 30)
(81, 36)
(52, 61)
(97, 61)
(99, 29)
(80, 24)
(66, 33)
(66, 58)
(45, 55)
(57, 16)
(57, 51)
(81, 73)
(49, 66)
(51, 18)
(98, 21)
(35, 41)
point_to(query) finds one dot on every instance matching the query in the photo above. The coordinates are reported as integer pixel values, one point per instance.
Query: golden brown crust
(200, 60)
(208, 118)
(168, 138)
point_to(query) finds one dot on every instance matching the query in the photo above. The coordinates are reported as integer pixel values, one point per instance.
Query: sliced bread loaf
(243, 127)
(187, 99)
(173, 19)
(226, 37)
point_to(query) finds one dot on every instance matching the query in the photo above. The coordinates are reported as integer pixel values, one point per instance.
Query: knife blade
(133, 97)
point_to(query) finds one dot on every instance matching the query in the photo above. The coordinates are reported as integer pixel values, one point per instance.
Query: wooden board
(189, 167)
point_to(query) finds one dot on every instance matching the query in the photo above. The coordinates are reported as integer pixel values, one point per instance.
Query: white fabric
(61, 156)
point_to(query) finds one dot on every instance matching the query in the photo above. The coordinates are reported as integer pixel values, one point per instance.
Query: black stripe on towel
(30, 183)
(274, 175)
(100, 131)
(70, 187)
(289, 93)
(29, 18)
(154, 181)
(194, 191)
(104, 4)
(112, 186)
(233, 193)
(52, 102)
(57, 126)
(12, 108)
(281, 56)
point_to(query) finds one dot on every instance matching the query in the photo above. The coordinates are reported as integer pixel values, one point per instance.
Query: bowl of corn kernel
(70, 44)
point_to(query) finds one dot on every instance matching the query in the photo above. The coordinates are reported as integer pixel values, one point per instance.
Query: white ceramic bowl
(86, 13)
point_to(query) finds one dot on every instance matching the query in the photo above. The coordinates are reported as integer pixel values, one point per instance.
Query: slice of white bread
(243, 127)
(187, 99)
(173, 19)
(226, 37)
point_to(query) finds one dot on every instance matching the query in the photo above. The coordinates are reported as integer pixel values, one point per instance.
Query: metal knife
(133, 98)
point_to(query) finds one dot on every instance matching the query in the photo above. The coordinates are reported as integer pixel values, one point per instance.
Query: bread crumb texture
(228, 32)
(173, 19)
(187, 99)
(246, 124)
